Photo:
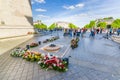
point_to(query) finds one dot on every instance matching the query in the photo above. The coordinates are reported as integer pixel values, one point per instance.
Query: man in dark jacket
(118, 31)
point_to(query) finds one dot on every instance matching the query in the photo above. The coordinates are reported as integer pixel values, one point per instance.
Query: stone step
(116, 38)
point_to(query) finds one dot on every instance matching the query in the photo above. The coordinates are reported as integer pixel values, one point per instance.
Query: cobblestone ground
(94, 59)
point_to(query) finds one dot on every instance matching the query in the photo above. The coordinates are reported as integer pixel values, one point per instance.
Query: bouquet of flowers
(51, 39)
(48, 40)
(29, 33)
(53, 62)
(32, 56)
(57, 37)
(33, 45)
(45, 41)
(77, 39)
(74, 43)
(32, 33)
(18, 52)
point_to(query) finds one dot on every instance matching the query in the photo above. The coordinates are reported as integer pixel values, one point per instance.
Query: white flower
(65, 61)
(26, 56)
(66, 69)
(54, 64)
(60, 63)
(44, 57)
(47, 69)
(39, 62)
(42, 54)
(49, 55)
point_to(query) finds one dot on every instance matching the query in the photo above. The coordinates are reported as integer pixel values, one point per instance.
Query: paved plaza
(93, 59)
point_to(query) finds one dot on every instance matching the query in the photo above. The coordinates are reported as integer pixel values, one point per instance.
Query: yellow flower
(36, 56)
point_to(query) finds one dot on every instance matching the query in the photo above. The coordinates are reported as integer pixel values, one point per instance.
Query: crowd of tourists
(95, 31)
(108, 32)
(80, 32)
(75, 32)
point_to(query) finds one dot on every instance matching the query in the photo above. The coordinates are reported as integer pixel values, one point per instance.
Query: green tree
(116, 23)
(87, 26)
(59, 27)
(72, 26)
(44, 26)
(102, 24)
(52, 26)
(92, 24)
(40, 26)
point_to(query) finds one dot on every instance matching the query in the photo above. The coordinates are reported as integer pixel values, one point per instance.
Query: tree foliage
(40, 26)
(107, 18)
(72, 26)
(87, 26)
(92, 24)
(102, 24)
(52, 26)
(116, 23)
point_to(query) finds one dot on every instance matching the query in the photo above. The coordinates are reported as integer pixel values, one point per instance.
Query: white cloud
(42, 16)
(69, 7)
(81, 15)
(40, 1)
(32, 2)
(105, 10)
(40, 10)
(80, 5)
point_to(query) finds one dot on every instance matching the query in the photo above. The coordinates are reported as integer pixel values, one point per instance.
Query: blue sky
(79, 12)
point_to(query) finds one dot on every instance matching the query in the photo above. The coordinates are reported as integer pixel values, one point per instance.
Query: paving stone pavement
(4, 43)
(94, 59)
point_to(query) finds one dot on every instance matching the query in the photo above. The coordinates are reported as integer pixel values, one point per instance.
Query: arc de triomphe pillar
(15, 18)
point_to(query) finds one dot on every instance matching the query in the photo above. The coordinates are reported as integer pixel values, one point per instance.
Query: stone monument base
(15, 31)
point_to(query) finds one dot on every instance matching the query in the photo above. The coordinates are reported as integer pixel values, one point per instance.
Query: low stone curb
(116, 38)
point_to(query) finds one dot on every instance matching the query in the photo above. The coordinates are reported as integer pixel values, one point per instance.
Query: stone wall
(15, 18)
(10, 31)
